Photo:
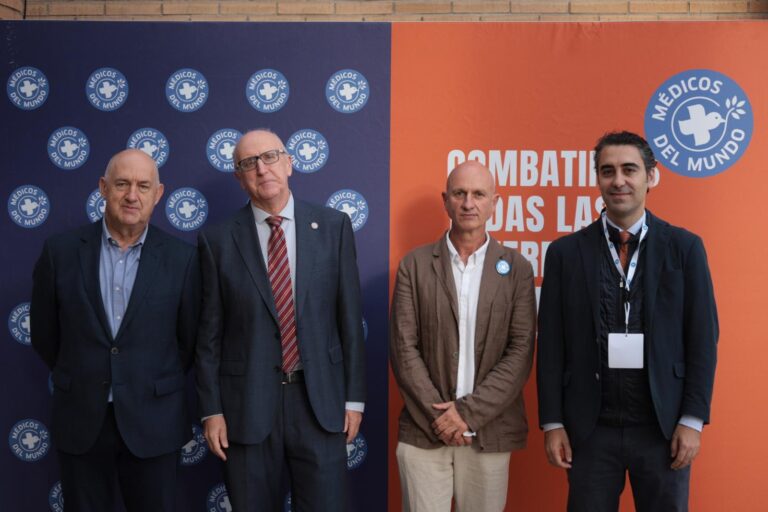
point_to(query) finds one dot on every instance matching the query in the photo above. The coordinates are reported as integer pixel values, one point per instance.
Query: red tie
(624, 236)
(280, 278)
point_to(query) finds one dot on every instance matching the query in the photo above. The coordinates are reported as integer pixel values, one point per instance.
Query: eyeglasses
(267, 157)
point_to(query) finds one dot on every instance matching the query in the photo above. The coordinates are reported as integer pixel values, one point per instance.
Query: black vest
(626, 395)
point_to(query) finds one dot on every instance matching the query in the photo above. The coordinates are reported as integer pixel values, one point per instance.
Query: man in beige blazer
(461, 347)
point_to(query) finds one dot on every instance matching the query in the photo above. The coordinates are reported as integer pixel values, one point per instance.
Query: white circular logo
(699, 123)
(68, 148)
(95, 206)
(220, 149)
(353, 204)
(195, 449)
(347, 91)
(267, 90)
(187, 90)
(107, 89)
(28, 206)
(152, 142)
(218, 500)
(27, 88)
(29, 440)
(309, 150)
(186, 209)
(56, 498)
(357, 450)
(19, 322)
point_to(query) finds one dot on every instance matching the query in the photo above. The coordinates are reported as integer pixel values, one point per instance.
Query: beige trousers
(430, 478)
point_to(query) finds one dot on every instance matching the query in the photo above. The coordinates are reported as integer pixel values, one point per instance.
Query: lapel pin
(502, 267)
(314, 225)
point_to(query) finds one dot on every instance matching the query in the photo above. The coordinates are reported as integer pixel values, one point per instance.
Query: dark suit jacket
(239, 354)
(680, 322)
(424, 344)
(144, 363)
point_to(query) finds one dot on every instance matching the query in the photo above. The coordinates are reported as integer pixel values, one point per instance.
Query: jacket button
(455, 355)
(115, 351)
(597, 376)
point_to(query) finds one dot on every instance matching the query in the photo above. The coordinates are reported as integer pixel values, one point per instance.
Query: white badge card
(625, 350)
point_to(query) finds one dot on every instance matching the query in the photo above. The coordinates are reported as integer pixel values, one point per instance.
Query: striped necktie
(280, 279)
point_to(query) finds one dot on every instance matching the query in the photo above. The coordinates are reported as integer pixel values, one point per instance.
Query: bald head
(471, 168)
(256, 139)
(470, 196)
(132, 158)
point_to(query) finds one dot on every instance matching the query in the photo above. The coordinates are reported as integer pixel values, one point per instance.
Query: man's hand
(685, 446)
(215, 431)
(558, 448)
(450, 426)
(352, 420)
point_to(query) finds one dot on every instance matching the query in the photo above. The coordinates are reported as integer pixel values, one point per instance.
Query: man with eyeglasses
(280, 358)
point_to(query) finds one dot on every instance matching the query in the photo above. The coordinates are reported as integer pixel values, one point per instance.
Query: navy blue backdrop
(76, 93)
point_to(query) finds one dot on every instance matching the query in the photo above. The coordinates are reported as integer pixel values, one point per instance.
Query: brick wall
(380, 10)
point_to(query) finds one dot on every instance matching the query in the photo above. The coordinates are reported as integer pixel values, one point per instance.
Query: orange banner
(529, 101)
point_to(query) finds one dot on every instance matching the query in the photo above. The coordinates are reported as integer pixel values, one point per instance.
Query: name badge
(625, 350)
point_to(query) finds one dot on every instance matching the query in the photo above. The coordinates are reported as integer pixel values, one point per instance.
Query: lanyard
(615, 256)
(626, 279)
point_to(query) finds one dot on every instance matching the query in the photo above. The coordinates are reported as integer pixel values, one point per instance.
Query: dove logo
(29, 440)
(357, 450)
(195, 449)
(353, 204)
(699, 123)
(309, 150)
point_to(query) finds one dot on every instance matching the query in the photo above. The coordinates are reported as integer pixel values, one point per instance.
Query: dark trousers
(89, 481)
(315, 460)
(601, 462)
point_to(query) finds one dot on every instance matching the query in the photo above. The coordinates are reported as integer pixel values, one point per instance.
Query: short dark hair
(626, 139)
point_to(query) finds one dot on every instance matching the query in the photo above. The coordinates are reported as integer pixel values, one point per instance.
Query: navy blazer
(239, 354)
(143, 363)
(680, 324)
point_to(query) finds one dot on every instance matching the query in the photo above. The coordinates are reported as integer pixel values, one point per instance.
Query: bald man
(461, 347)
(114, 315)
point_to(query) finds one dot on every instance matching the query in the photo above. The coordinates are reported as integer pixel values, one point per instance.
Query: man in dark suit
(627, 344)
(114, 316)
(461, 348)
(280, 356)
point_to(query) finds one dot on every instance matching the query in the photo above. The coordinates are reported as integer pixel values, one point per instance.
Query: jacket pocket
(169, 385)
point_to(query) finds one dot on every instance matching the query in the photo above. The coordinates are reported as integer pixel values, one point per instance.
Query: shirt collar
(480, 252)
(286, 213)
(106, 236)
(633, 229)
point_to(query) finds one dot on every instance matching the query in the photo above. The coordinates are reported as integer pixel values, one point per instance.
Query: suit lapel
(90, 251)
(306, 245)
(441, 263)
(589, 250)
(149, 264)
(655, 248)
(246, 241)
(489, 284)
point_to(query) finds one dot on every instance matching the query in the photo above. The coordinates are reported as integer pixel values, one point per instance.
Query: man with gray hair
(461, 347)
(114, 316)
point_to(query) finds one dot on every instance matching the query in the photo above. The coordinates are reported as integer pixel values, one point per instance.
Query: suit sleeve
(350, 317)
(208, 349)
(189, 312)
(551, 343)
(408, 366)
(701, 331)
(511, 372)
(44, 309)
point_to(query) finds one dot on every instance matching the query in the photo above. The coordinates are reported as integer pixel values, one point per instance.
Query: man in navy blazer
(114, 316)
(627, 344)
(280, 359)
